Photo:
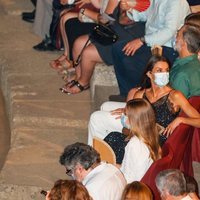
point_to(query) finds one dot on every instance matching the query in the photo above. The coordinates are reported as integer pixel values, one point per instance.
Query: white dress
(136, 160)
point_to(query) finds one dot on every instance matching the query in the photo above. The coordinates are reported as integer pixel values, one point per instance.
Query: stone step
(10, 192)
(42, 119)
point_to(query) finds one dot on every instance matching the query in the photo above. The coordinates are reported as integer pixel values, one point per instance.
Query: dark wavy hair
(146, 83)
(80, 153)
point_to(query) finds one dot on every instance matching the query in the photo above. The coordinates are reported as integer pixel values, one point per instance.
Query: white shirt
(163, 19)
(105, 182)
(187, 198)
(136, 160)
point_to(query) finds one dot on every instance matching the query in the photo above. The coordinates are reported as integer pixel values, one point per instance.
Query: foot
(62, 63)
(45, 45)
(74, 87)
(28, 16)
(69, 75)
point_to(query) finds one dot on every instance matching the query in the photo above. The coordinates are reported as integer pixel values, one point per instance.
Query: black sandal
(74, 83)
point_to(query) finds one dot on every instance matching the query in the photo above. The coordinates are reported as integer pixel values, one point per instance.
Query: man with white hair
(171, 184)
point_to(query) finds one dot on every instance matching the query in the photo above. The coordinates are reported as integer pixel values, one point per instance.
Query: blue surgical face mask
(124, 119)
(161, 79)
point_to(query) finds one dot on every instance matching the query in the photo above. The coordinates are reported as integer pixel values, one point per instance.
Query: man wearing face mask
(185, 73)
(163, 18)
(103, 181)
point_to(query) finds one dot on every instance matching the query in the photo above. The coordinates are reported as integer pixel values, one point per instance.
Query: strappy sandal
(61, 65)
(72, 84)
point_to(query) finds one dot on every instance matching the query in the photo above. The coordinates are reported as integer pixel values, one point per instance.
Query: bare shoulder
(177, 96)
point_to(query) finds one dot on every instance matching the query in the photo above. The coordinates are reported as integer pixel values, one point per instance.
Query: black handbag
(103, 34)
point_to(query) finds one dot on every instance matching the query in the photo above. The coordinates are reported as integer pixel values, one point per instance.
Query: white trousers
(102, 122)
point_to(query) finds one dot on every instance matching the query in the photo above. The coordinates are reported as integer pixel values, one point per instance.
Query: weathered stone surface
(103, 76)
(10, 192)
(42, 119)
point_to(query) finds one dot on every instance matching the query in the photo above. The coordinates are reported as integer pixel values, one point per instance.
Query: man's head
(188, 40)
(79, 159)
(171, 183)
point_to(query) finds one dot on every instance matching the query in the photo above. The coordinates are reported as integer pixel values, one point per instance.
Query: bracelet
(82, 11)
(142, 39)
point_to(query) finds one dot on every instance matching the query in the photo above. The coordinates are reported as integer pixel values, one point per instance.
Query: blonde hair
(137, 191)
(69, 190)
(143, 125)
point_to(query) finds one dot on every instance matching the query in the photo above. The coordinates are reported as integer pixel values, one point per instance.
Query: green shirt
(185, 76)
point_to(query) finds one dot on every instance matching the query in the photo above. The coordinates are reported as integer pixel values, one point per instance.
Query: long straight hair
(143, 125)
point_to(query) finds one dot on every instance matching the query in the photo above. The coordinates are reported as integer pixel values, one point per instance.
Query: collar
(93, 172)
(182, 61)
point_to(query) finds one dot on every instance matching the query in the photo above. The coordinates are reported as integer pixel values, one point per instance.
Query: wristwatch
(142, 39)
(82, 11)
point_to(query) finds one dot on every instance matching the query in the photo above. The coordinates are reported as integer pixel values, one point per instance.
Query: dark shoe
(28, 16)
(45, 45)
(117, 98)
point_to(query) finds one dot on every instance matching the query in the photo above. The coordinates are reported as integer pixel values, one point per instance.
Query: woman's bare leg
(77, 48)
(63, 20)
(90, 57)
(63, 62)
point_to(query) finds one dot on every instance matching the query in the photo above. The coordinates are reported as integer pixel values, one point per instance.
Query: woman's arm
(112, 4)
(91, 14)
(193, 119)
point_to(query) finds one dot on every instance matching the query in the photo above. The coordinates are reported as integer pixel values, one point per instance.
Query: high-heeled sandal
(61, 64)
(74, 83)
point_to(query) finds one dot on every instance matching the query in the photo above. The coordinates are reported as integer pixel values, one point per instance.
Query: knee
(105, 106)
(94, 118)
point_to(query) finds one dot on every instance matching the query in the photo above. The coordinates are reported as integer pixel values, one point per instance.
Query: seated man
(163, 19)
(185, 73)
(172, 185)
(103, 181)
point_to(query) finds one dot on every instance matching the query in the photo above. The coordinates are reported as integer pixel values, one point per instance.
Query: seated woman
(143, 146)
(85, 17)
(165, 101)
(68, 190)
(97, 53)
(137, 190)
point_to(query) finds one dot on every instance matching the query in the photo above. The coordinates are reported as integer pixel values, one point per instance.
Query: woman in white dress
(143, 146)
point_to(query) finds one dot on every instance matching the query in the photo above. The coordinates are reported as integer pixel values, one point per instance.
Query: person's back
(83, 163)
(105, 182)
(188, 71)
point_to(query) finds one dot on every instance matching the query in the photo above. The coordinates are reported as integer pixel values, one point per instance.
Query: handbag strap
(76, 63)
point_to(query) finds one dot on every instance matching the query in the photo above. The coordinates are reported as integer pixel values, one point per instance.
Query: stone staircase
(42, 119)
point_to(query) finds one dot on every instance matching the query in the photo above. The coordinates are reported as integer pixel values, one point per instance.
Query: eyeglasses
(69, 172)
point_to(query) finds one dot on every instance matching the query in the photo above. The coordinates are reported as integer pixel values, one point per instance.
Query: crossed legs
(84, 70)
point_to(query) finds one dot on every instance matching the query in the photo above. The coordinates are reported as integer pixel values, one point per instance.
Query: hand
(80, 16)
(101, 19)
(131, 47)
(63, 2)
(81, 3)
(117, 112)
(123, 5)
(47, 196)
(170, 128)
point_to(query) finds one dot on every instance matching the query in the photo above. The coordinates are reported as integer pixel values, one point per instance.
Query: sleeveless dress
(164, 116)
